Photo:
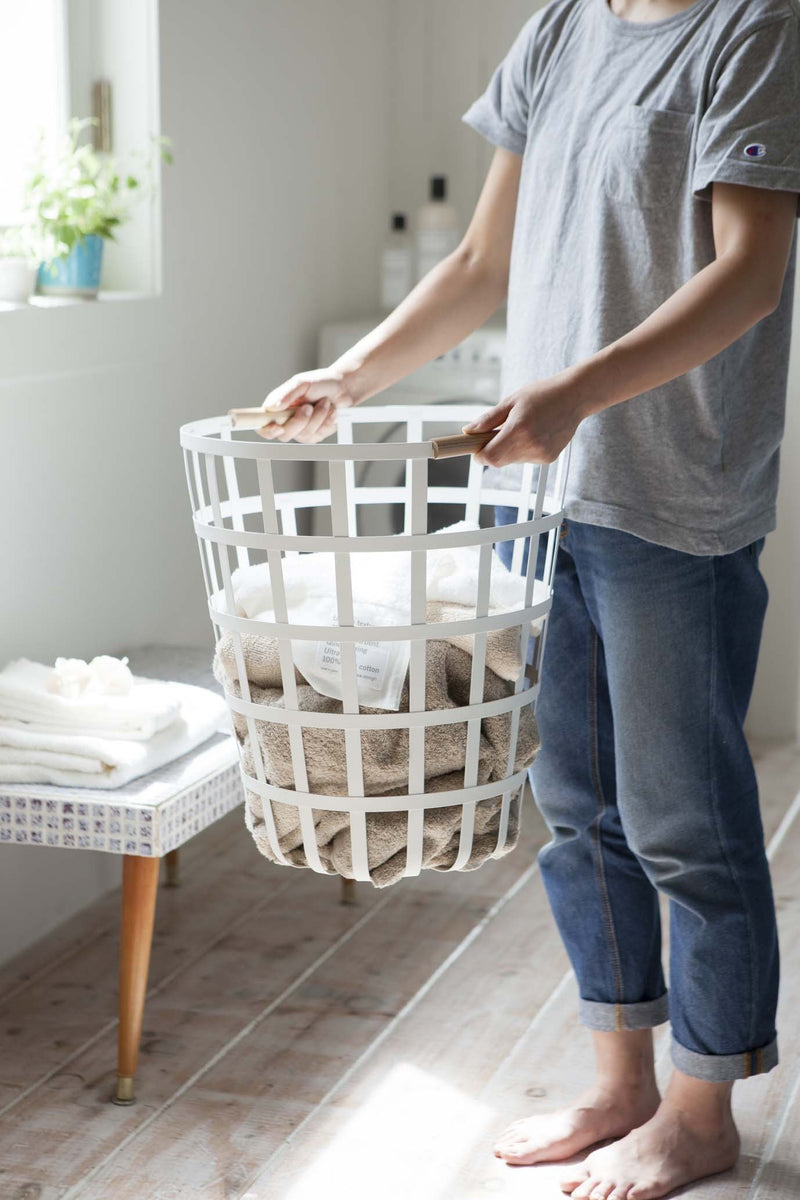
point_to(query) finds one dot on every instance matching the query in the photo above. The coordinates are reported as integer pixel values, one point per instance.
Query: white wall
(444, 54)
(271, 106)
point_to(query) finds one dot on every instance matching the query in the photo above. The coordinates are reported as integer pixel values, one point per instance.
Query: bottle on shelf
(397, 264)
(437, 228)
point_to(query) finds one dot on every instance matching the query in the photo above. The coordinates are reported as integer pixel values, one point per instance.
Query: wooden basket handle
(460, 443)
(257, 418)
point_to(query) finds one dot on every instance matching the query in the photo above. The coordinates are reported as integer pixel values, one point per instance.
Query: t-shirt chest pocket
(645, 155)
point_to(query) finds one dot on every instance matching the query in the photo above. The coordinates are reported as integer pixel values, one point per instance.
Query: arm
(753, 230)
(456, 297)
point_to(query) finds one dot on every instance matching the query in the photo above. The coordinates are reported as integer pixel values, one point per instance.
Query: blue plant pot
(78, 274)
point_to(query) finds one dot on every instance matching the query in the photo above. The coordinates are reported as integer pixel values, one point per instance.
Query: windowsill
(73, 301)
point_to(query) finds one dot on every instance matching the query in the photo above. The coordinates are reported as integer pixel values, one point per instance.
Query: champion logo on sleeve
(755, 150)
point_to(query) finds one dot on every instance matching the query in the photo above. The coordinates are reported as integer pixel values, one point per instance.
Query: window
(33, 89)
(52, 54)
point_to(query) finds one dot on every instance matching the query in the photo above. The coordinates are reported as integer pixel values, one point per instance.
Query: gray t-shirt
(623, 128)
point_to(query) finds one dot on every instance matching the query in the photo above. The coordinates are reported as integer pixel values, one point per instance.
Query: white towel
(28, 755)
(382, 578)
(381, 596)
(150, 706)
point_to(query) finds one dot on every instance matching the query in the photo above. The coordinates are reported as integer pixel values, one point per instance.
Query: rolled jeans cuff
(611, 1018)
(720, 1068)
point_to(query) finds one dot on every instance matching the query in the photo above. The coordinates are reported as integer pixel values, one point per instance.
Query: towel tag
(380, 666)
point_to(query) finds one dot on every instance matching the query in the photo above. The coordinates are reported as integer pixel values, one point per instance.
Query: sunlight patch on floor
(405, 1141)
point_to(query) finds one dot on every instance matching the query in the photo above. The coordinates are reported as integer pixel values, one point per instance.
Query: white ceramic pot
(17, 280)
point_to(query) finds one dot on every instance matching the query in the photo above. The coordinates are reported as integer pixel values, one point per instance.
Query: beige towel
(385, 756)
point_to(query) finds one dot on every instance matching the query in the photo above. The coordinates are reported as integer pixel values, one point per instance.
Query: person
(639, 215)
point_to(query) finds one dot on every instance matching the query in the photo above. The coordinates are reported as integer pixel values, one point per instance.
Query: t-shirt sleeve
(501, 113)
(750, 132)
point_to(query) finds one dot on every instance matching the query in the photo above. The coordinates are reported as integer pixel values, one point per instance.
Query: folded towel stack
(95, 725)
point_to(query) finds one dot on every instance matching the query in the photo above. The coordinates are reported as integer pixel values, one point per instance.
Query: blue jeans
(646, 783)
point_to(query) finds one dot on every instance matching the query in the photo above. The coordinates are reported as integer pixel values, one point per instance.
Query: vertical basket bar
(417, 501)
(196, 504)
(472, 508)
(413, 434)
(523, 510)
(232, 484)
(209, 549)
(241, 668)
(477, 684)
(269, 516)
(340, 518)
(345, 438)
(525, 633)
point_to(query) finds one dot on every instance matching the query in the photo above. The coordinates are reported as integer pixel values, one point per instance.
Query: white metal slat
(241, 668)
(232, 484)
(344, 421)
(196, 503)
(472, 508)
(340, 517)
(266, 486)
(417, 480)
(530, 576)
(523, 510)
(209, 548)
(477, 684)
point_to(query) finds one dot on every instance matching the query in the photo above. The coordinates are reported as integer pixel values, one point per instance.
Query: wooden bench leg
(173, 872)
(139, 889)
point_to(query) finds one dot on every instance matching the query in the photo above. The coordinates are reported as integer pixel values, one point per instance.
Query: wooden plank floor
(296, 1048)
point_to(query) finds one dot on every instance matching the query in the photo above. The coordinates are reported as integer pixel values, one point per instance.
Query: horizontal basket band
(396, 543)
(299, 452)
(380, 633)
(212, 436)
(389, 720)
(382, 804)
(364, 497)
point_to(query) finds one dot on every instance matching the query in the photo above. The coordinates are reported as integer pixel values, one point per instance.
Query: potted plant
(74, 200)
(22, 249)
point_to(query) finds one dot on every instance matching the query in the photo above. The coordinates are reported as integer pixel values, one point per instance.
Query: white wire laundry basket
(254, 507)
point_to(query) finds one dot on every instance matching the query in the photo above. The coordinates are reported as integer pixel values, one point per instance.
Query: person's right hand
(314, 397)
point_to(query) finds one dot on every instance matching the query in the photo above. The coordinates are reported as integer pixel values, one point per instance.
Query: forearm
(698, 321)
(448, 304)
(753, 234)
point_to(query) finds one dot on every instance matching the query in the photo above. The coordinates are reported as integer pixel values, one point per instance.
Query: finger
(296, 424)
(289, 393)
(269, 432)
(491, 419)
(311, 385)
(499, 451)
(329, 427)
(319, 416)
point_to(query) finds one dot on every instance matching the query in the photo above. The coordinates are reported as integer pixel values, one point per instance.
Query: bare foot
(674, 1148)
(597, 1114)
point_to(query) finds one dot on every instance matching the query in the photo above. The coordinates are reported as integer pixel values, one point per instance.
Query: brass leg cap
(124, 1090)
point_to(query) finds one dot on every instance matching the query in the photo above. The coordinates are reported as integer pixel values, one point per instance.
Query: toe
(585, 1190)
(645, 1190)
(620, 1192)
(602, 1191)
(572, 1180)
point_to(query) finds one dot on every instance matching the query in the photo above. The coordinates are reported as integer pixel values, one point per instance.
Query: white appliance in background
(470, 371)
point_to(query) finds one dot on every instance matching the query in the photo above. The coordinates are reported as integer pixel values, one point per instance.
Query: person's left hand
(535, 424)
